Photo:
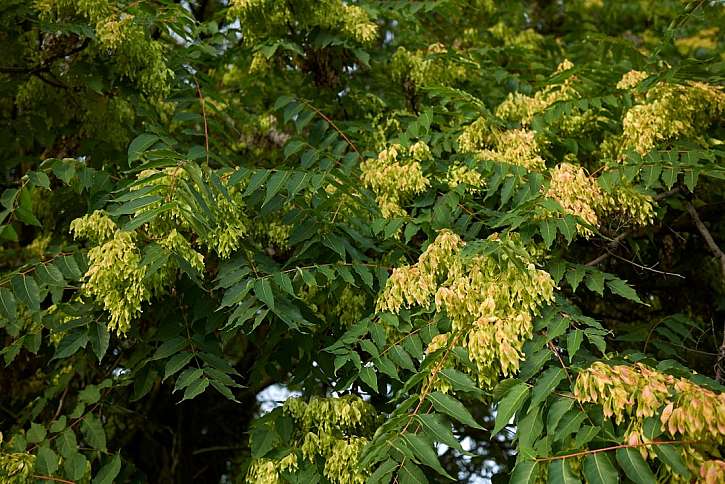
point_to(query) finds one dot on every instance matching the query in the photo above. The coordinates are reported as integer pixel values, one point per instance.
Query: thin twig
(610, 246)
(615, 447)
(707, 236)
(203, 114)
(52, 478)
(618, 239)
(334, 126)
(651, 269)
(720, 255)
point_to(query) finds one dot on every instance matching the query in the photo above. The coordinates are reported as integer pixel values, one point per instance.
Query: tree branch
(707, 236)
(618, 239)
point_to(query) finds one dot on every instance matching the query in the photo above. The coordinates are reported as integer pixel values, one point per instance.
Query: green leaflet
(598, 469)
(509, 405)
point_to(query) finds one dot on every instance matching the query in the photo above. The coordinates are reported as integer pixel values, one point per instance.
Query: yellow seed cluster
(712, 472)
(490, 300)
(671, 111)
(515, 146)
(623, 390)
(227, 235)
(138, 57)
(579, 194)
(260, 18)
(463, 175)
(696, 413)
(176, 243)
(332, 429)
(231, 223)
(425, 67)
(395, 175)
(16, 467)
(476, 136)
(637, 391)
(349, 307)
(632, 206)
(522, 108)
(576, 192)
(348, 413)
(631, 79)
(115, 278)
(704, 39)
(166, 182)
(527, 39)
(96, 227)
(263, 471)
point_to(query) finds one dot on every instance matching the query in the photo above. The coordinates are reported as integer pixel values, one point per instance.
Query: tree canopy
(362, 241)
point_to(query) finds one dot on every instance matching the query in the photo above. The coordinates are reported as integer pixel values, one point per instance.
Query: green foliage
(461, 238)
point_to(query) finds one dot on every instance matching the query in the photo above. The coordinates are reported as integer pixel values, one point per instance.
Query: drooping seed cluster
(261, 18)
(579, 194)
(490, 300)
(16, 467)
(396, 175)
(522, 108)
(576, 192)
(425, 67)
(459, 174)
(138, 57)
(685, 410)
(334, 430)
(515, 146)
(670, 111)
(116, 277)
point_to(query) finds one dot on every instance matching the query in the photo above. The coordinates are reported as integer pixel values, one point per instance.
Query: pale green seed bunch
(356, 23)
(166, 183)
(517, 147)
(425, 67)
(671, 111)
(416, 285)
(494, 300)
(395, 180)
(93, 10)
(263, 471)
(577, 193)
(272, 231)
(476, 136)
(115, 278)
(631, 79)
(331, 430)
(262, 18)
(177, 243)
(348, 413)
(139, 58)
(232, 225)
(490, 300)
(527, 39)
(350, 306)
(629, 204)
(16, 467)
(459, 174)
(420, 151)
(96, 227)
(522, 108)
(514, 146)
(341, 462)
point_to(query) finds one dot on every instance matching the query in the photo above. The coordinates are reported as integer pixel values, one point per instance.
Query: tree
(462, 238)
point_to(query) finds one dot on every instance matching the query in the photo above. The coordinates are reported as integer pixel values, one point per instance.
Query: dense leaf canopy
(362, 241)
